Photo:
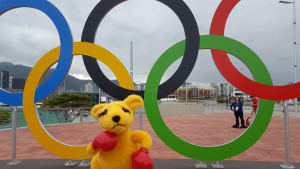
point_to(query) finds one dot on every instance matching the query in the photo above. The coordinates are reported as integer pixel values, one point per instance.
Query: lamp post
(287, 164)
(295, 43)
(186, 93)
(99, 92)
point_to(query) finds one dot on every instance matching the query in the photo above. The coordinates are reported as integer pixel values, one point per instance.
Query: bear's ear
(96, 109)
(134, 101)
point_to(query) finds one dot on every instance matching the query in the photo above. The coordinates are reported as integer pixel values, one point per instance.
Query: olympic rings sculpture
(188, 49)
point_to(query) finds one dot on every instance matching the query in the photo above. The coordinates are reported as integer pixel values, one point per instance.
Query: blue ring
(66, 40)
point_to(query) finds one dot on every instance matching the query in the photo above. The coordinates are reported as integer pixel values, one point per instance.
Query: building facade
(221, 89)
(88, 88)
(4, 80)
(18, 83)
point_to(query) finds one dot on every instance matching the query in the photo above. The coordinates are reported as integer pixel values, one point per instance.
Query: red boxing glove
(141, 159)
(105, 141)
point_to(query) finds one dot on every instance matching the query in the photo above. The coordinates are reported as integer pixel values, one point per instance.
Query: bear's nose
(116, 119)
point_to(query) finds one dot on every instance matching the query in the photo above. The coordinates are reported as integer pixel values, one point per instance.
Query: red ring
(230, 73)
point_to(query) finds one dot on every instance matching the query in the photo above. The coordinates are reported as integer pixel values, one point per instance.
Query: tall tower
(131, 60)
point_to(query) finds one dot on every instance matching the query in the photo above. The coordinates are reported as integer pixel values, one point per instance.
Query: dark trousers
(239, 114)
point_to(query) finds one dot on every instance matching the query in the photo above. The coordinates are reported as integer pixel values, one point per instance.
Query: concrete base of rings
(159, 164)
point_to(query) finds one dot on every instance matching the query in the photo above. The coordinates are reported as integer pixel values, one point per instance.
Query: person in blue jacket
(237, 108)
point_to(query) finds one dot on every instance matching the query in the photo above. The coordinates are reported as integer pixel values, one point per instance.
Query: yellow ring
(37, 129)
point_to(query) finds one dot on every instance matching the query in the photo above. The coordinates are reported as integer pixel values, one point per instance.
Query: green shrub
(69, 100)
(221, 100)
(4, 117)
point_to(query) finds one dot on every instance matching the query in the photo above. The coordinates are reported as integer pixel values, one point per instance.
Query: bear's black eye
(103, 113)
(126, 110)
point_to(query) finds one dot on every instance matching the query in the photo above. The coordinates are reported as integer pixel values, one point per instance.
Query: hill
(21, 71)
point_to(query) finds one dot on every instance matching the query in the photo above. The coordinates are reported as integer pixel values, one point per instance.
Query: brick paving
(204, 129)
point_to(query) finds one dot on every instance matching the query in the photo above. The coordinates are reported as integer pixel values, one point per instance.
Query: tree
(221, 100)
(4, 117)
(68, 100)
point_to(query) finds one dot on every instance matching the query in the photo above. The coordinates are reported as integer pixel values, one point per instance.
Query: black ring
(176, 80)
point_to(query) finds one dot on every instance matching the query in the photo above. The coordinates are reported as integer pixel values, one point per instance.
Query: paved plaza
(204, 129)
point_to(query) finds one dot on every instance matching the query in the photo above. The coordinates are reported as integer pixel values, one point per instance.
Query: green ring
(219, 152)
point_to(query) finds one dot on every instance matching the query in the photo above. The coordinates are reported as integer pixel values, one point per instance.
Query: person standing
(237, 108)
(254, 105)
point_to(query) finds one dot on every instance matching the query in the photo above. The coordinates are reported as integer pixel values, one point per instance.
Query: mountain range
(21, 71)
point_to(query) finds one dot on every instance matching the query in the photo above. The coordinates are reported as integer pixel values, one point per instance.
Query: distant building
(225, 89)
(10, 81)
(142, 86)
(18, 83)
(4, 80)
(115, 82)
(186, 84)
(91, 87)
(230, 90)
(215, 89)
(136, 86)
(95, 87)
(221, 89)
(237, 93)
(62, 87)
(191, 91)
(88, 88)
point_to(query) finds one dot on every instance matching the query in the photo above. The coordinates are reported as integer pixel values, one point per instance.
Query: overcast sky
(264, 26)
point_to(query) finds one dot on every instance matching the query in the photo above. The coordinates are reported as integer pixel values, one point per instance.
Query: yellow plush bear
(117, 147)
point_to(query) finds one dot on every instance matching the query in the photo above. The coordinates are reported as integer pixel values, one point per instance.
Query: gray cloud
(264, 26)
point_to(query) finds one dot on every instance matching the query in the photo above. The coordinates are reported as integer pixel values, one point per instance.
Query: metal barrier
(14, 160)
(287, 164)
